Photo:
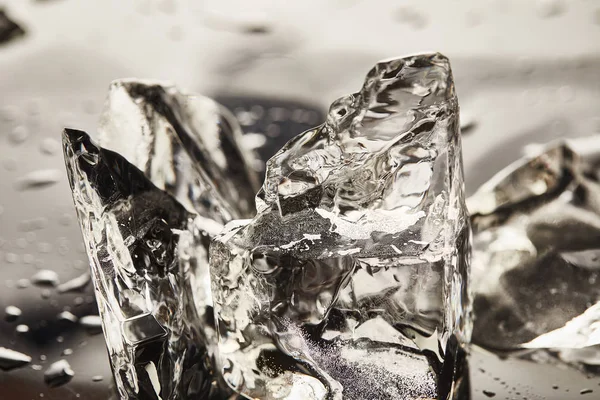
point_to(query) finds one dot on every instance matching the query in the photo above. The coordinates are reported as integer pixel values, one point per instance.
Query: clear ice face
(147, 215)
(351, 281)
(536, 259)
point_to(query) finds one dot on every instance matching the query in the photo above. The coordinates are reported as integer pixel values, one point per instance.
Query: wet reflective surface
(57, 74)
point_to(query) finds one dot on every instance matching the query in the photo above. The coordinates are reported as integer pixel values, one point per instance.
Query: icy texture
(147, 215)
(351, 282)
(536, 257)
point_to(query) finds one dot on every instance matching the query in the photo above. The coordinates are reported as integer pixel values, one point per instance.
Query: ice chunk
(143, 275)
(536, 257)
(351, 282)
(185, 144)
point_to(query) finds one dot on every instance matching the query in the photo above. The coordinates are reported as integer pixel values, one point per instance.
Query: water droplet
(49, 146)
(489, 393)
(43, 357)
(411, 17)
(12, 313)
(11, 258)
(18, 135)
(586, 391)
(36, 367)
(66, 352)
(78, 301)
(65, 219)
(44, 247)
(34, 224)
(10, 359)
(10, 164)
(549, 8)
(23, 283)
(566, 93)
(273, 130)
(45, 277)
(21, 243)
(58, 374)
(97, 378)
(9, 113)
(28, 258)
(67, 316)
(77, 284)
(22, 328)
(39, 179)
(92, 323)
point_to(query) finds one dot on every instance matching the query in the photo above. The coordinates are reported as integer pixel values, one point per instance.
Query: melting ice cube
(351, 281)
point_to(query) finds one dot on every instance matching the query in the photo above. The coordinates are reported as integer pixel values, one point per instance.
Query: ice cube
(351, 281)
(536, 257)
(146, 281)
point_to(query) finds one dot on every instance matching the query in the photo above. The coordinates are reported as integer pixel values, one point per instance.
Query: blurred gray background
(526, 72)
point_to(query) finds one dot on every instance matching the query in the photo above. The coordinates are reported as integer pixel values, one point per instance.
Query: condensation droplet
(28, 258)
(10, 359)
(10, 164)
(77, 284)
(97, 378)
(92, 323)
(58, 374)
(489, 393)
(44, 247)
(45, 277)
(39, 179)
(18, 135)
(411, 17)
(46, 293)
(65, 219)
(549, 8)
(586, 391)
(12, 313)
(23, 283)
(34, 224)
(11, 258)
(21, 243)
(22, 328)
(49, 146)
(66, 352)
(67, 316)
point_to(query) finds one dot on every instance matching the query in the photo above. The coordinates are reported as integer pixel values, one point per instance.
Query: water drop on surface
(18, 135)
(49, 146)
(586, 391)
(549, 8)
(45, 277)
(46, 293)
(39, 179)
(77, 284)
(67, 316)
(58, 374)
(92, 323)
(12, 313)
(66, 352)
(11, 258)
(22, 328)
(10, 359)
(97, 378)
(489, 393)
(23, 283)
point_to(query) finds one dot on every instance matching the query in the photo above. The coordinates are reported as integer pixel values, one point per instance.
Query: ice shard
(536, 258)
(148, 212)
(351, 280)
(133, 233)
